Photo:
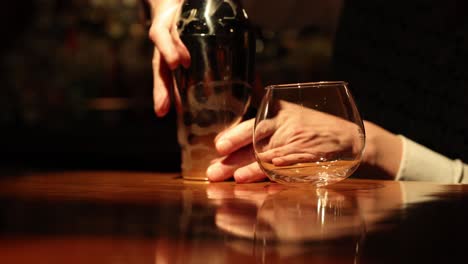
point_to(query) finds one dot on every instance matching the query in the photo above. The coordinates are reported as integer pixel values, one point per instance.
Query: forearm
(419, 163)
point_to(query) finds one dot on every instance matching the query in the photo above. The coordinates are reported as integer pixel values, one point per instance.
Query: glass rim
(306, 84)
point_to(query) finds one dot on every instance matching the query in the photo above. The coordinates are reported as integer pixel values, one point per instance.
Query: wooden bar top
(143, 217)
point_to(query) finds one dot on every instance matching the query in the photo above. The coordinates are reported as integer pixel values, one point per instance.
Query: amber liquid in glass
(315, 173)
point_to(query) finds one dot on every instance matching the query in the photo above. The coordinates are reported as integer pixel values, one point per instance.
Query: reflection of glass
(296, 224)
(204, 110)
(308, 133)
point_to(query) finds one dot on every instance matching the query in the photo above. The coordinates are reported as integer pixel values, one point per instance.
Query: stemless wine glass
(308, 133)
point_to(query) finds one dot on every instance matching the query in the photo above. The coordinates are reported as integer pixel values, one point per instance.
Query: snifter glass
(308, 133)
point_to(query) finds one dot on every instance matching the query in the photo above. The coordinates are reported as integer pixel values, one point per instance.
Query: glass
(214, 92)
(308, 133)
(204, 110)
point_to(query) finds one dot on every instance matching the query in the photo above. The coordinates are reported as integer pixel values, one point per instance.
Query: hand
(169, 51)
(287, 144)
(297, 134)
(235, 144)
(382, 152)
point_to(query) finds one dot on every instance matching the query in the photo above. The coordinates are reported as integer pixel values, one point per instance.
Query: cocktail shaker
(215, 91)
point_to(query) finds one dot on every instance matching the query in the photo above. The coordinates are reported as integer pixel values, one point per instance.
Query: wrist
(389, 154)
(383, 150)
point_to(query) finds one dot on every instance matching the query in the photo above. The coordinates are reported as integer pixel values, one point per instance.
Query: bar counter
(142, 217)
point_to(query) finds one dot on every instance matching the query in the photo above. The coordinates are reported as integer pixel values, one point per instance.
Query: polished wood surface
(142, 217)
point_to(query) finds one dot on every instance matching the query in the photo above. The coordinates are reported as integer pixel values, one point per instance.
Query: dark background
(76, 81)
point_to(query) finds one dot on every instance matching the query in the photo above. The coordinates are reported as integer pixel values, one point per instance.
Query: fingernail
(214, 173)
(161, 111)
(224, 146)
(161, 106)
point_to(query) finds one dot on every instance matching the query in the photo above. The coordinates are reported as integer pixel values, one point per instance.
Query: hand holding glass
(308, 133)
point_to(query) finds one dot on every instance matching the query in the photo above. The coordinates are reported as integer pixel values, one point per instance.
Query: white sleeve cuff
(422, 164)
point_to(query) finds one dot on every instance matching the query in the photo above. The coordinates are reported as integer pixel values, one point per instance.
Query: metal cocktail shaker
(214, 92)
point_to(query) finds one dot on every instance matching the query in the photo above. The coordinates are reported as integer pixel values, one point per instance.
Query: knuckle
(152, 34)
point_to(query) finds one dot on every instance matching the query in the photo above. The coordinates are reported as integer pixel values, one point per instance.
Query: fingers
(294, 159)
(169, 51)
(240, 164)
(240, 161)
(293, 153)
(184, 55)
(235, 138)
(277, 153)
(161, 31)
(225, 168)
(162, 82)
(249, 173)
(264, 129)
